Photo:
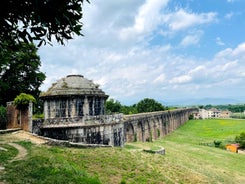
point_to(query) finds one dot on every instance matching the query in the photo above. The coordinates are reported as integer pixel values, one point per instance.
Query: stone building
(74, 110)
(72, 99)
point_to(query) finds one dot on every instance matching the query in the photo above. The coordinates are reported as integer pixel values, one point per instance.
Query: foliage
(3, 117)
(145, 105)
(233, 108)
(38, 116)
(217, 143)
(41, 20)
(238, 115)
(113, 106)
(149, 105)
(19, 71)
(241, 139)
(191, 117)
(23, 100)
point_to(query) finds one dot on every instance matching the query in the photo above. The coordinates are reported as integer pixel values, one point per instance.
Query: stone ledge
(9, 130)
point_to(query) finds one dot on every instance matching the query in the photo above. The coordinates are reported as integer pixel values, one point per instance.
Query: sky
(168, 50)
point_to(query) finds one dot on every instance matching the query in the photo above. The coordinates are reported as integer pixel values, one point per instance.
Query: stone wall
(19, 118)
(120, 129)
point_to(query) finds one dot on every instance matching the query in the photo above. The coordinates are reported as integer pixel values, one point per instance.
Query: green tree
(129, 109)
(41, 20)
(22, 100)
(19, 71)
(241, 139)
(149, 105)
(3, 117)
(113, 106)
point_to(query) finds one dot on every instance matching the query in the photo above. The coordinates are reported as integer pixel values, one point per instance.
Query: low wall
(138, 127)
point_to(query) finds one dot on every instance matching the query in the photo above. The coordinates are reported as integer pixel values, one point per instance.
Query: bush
(241, 139)
(217, 143)
(22, 101)
(3, 117)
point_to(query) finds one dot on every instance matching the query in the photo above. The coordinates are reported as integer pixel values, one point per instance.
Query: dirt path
(22, 152)
(21, 136)
(10, 138)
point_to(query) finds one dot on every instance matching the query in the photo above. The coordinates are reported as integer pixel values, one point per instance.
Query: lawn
(186, 160)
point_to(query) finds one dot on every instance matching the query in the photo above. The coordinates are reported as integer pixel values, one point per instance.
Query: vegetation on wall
(22, 101)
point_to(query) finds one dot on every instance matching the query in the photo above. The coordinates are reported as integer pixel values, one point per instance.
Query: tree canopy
(145, 105)
(41, 20)
(19, 71)
(149, 105)
(22, 100)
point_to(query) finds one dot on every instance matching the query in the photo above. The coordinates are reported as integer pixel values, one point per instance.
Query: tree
(149, 105)
(3, 117)
(42, 20)
(22, 100)
(19, 71)
(241, 139)
(113, 106)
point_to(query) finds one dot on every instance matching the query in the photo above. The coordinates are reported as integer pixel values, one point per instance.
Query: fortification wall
(138, 127)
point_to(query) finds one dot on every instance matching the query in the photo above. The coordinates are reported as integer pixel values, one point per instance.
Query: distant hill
(202, 101)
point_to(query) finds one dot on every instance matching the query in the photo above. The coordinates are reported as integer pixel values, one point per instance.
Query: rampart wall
(128, 128)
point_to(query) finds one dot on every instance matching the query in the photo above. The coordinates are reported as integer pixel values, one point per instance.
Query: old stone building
(74, 110)
(72, 99)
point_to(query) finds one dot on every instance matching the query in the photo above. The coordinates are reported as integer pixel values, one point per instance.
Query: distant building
(225, 114)
(212, 113)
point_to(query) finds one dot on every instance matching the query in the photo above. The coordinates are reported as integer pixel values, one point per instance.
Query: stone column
(30, 107)
(86, 106)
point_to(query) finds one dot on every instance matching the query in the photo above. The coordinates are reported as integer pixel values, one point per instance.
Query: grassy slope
(185, 161)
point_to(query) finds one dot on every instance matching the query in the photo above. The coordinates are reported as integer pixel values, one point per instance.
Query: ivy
(22, 101)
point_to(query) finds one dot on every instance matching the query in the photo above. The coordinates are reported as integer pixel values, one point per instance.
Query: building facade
(73, 99)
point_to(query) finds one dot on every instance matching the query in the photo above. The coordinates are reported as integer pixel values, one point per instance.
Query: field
(190, 158)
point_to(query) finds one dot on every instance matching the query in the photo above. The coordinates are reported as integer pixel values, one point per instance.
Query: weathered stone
(74, 112)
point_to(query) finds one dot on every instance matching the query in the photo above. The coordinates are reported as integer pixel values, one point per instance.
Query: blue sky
(168, 50)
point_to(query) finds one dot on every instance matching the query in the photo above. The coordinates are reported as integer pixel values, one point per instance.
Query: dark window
(90, 101)
(79, 106)
(97, 106)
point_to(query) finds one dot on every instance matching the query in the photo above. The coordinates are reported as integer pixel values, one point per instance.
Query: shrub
(3, 117)
(22, 101)
(217, 143)
(241, 139)
(191, 117)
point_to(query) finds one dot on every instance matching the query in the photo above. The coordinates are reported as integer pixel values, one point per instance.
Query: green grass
(186, 161)
(5, 156)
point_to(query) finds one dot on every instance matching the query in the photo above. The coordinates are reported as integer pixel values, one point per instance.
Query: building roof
(73, 85)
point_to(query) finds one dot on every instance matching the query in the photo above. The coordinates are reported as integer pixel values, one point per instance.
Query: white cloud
(160, 79)
(219, 41)
(181, 79)
(116, 52)
(229, 15)
(191, 39)
(146, 20)
(182, 19)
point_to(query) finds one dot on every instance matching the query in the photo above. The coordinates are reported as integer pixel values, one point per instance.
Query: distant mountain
(202, 101)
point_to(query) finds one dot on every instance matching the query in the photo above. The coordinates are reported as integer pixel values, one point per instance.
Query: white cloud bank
(116, 53)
